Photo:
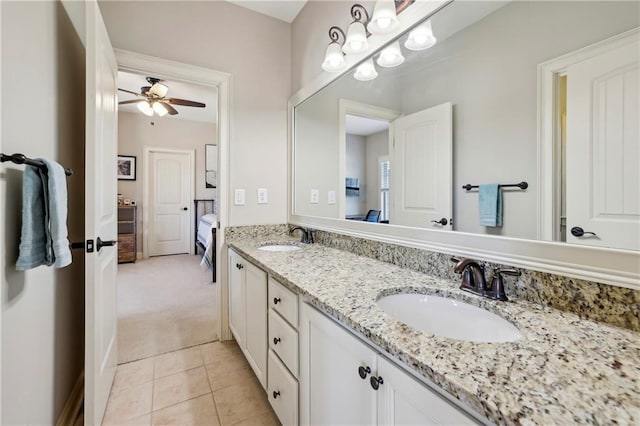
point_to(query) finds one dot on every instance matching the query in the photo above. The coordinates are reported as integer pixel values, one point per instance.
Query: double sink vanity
(337, 338)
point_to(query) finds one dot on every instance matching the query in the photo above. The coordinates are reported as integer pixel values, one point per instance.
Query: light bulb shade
(334, 58)
(356, 39)
(145, 108)
(421, 37)
(384, 19)
(159, 90)
(160, 109)
(366, 71)
(391, 56)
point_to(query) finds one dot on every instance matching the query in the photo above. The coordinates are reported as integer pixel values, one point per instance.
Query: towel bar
(22, 159)
(521, 185)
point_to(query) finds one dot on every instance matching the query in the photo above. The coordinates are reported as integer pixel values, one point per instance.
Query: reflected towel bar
(22, 159)
(521, 185)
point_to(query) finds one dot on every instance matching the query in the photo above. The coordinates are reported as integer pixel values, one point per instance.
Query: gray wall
(42, 116)
(377, 146)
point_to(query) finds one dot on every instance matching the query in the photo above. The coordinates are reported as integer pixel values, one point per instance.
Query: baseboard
(73, 407)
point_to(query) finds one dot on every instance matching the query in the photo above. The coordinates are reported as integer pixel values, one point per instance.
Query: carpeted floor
(164, 303)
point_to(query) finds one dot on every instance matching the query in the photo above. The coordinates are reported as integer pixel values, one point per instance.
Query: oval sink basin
(279, 247)
(449, 318)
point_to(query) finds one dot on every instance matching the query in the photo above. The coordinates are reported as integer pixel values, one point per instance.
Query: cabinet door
(402, 400)
(237, 307)
(331, 390)
(256, 320)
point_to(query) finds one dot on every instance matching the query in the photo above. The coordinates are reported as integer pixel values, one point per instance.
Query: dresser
(127, 244)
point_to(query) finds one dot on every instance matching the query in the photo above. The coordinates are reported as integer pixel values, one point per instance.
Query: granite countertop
(564, 370)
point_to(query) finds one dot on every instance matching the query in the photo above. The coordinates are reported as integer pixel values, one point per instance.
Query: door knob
(364, 371)
(576, 231)
(100, 243)
(442, 221)
(185, 209)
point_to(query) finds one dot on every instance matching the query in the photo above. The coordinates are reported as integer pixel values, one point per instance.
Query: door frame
(146, 191)
(549, 138)
(172, 70)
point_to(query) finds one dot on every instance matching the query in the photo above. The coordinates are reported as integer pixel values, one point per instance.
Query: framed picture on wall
(126, 167)
(210, 165)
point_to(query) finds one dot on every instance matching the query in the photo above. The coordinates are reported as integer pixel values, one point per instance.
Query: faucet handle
(497, 284)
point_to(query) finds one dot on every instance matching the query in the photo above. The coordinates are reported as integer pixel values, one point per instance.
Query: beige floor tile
(241, 402)
(200, 411)
(268, 418)
(232, 372)
(129, 403)
(144, 420)
(219, 351)
(175, 362)
(180, 387)
(133, 374)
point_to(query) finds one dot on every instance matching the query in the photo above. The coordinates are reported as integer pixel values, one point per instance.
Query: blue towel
(490, 197)
(44, 218)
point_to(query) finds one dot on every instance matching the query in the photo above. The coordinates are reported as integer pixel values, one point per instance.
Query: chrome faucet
(307, 234)
(473, 279)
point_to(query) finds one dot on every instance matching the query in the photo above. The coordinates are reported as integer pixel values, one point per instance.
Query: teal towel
(490, 197)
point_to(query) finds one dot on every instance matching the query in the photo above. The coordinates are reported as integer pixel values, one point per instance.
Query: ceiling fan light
(145, 108)
(160, 109)
(334, 58)
(159, 90)
(366, 71)
(391, 56)
(384, 19)
(421, 37)
(356, 39)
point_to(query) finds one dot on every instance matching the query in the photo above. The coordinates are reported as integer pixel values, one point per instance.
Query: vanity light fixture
(421, 37)
(145, 108)
(356, 41)
(366, 71)
(334, 58)
(384, 19)
(391, 56)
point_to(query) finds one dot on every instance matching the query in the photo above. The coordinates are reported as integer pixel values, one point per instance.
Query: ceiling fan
(154, 98)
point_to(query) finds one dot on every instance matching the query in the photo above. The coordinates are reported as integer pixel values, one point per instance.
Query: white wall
(256, 50)
(377, 146)
(42, 116)
(355, 167)
(135, 132)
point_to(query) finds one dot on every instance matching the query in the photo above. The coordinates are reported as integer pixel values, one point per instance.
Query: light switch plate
(315, 196)
(262, 195)
(239, 197)
(331, 197)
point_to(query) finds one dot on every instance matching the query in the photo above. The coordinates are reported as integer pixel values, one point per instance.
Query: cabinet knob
(276, 394)
(276, 340)
(239, 265)
(376, 382)
(364, 371)
(185, 209)
(276, 300)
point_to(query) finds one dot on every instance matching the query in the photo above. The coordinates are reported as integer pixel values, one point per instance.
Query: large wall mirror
(540, 98)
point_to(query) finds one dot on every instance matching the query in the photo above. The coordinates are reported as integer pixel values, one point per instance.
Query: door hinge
(89, 246)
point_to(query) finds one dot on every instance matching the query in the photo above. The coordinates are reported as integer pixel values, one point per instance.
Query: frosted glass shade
(145, 108)
(159, 90)
(334, 58)
(366, 71)
(391, 56)
(384, 19)
(421, 37)
(356, 39)
(160, 109)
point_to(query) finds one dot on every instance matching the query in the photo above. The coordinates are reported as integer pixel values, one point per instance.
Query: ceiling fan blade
(171, 110)
(132, 101)
(129, 91)
(184, 102)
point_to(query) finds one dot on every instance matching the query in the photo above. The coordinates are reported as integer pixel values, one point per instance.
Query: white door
(603, 149)
(100, 216)
(331, 389)
(170, 183)
(237, 306)
(421, 168)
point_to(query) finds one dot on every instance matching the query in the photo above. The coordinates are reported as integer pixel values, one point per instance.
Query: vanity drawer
(284, 301)
(282, 391)
(283, 339)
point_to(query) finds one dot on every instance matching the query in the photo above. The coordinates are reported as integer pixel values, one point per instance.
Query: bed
(205, 238)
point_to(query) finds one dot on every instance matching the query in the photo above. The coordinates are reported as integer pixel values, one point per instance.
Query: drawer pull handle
(276, 340)
(276, 300)
(276, 394)
(376, 382)
(364, 371)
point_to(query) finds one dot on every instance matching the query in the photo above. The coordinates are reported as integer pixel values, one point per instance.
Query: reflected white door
(603, 148)
(170, 183)
(100, 216)
(421, 168)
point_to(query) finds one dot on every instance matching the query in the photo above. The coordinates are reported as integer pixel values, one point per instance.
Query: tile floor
(210, 384)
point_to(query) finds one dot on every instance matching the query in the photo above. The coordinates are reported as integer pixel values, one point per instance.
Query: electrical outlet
(262, 195)
(239, 197)
(315, 196)
(331, 197)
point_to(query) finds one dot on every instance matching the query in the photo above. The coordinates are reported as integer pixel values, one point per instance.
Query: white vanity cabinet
(248, 312)
(332, 391)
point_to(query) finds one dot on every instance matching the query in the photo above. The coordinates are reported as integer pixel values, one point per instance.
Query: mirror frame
(608, 266)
